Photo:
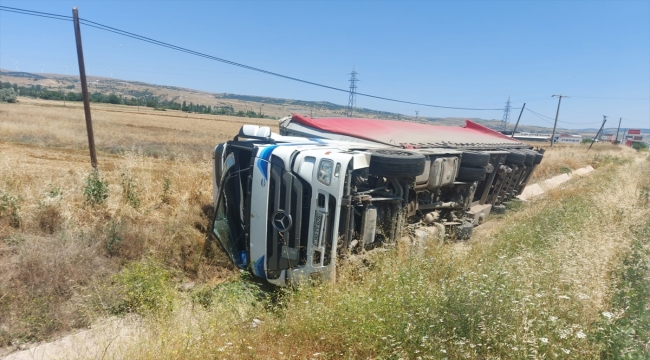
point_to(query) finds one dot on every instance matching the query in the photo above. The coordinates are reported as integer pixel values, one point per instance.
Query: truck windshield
(229, 216)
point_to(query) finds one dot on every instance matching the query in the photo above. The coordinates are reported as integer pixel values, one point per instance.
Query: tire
(471, 174)
(396, 162)
(538, 158)
(530, 157)
(464, 231)
(475, 159)
(516, 157)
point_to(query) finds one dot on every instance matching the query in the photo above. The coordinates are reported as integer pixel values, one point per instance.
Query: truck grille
(291, 195)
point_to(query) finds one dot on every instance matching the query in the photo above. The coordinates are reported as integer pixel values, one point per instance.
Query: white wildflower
(544, 340)
(553, 318)
(608, 314)
(566, 351)
(581, 335)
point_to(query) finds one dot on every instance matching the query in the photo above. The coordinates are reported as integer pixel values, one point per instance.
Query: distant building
(569, 139)
(635, 135)
(527, 136)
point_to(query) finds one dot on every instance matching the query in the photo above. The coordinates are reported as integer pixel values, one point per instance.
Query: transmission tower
(506, 115)
(352, 101)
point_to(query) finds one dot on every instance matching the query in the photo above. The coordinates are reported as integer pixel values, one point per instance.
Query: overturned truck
(288, 205)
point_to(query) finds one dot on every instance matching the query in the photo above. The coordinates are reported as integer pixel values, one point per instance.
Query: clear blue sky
(453, 53)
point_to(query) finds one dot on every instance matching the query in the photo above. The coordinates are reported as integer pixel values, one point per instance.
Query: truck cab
(277, 202)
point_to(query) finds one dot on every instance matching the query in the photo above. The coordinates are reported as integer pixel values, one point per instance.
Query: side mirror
(254, 131)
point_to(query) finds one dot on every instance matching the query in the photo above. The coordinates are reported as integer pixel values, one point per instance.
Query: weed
(49, 216)
(96, 190)
(202, 295)
(166, 194)
(54, 191)
(9, 209)
(146, 288)
(113, 238)
(129, 191)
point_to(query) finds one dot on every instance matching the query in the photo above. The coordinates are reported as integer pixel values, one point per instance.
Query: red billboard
(634, 131)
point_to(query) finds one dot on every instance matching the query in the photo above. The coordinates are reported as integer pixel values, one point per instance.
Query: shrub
(113, 238)
(637, 145)
(146, 288)
(9, 209)
(96, 190)
(166, 194)
(129, 192)
(8, 95)
(49, 217)
(48, 214)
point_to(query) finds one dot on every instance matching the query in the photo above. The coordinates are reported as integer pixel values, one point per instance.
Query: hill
(246, 104)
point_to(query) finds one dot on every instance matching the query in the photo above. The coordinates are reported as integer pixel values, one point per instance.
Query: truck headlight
(325, 170)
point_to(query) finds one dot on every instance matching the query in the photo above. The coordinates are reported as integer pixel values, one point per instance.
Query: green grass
(536, 288)
(624, 330)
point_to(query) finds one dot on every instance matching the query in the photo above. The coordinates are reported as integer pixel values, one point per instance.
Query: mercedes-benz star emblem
(281, 221)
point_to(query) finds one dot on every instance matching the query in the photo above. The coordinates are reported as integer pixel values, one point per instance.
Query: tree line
(41, 92)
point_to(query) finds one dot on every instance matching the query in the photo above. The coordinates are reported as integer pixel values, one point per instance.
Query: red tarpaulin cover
(404, 132)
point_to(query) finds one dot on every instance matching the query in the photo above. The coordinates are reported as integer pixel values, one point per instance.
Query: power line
(563, 122)
(192, 52)
(233, 63)
(540, 116)
(36, 13)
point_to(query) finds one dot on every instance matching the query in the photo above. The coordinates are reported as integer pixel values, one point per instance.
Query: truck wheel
(470, 174)
(538, 158)
(516, 157)
(475, 159)
(396, 162)
(530, 157)
(464, 231)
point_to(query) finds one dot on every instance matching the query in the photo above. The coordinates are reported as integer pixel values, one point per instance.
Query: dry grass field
(55, 245)
(565, 158)
(555, 279)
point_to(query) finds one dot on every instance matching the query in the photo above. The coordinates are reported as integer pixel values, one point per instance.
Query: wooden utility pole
(556, 116)
(617, 130)
(84, 88)
(598, 133)
(519, 118)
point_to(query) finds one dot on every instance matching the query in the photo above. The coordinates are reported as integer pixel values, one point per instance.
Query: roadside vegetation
(566, 276)
(561, 158)
(562, 278)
